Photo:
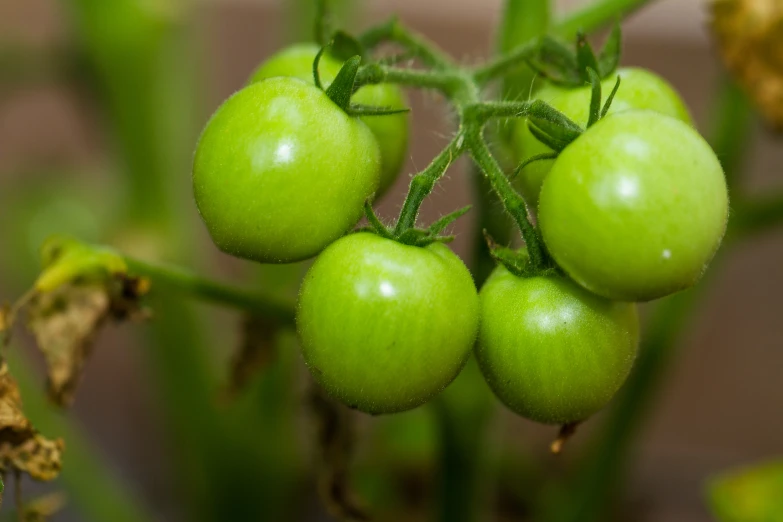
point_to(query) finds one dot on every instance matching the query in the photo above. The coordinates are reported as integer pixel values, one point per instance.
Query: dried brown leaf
(66, 320)
(750, 37)
(256, 352)
(335, 426)
(43, 508)
(22, 448)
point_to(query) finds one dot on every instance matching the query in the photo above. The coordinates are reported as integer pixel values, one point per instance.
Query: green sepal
(533, 159)
(567, 66)
(344, 46)
(554, 144)
(610, 99)
(585, 57)
(341, 89)
(370, 110)
(515, 261)
(441, 224)
(375, 224)
(595, 98)
(555, 62)
(423, 237)
(553, 122)
(609, 58)
(316, 63)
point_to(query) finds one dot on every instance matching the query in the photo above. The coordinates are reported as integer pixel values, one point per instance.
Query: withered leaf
(335, 427)
(750, 38)
(22, 448)
(66, 320)
(43, 508)
(256, 352)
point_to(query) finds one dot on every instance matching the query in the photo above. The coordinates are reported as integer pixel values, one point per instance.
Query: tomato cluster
(631, 210)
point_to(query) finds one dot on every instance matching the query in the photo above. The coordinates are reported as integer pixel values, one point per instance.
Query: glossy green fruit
(391, 131)
(635, 208)
(385, 326)
(639, 89)
(550, 350)
(281, 171)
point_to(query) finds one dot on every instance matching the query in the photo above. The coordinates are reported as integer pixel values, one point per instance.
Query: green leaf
(754, 494)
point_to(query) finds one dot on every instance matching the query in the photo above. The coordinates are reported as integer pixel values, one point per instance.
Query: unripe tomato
(550, 350)
(639, 89)
(635, 208)
(281, 171)
(391, 131)
(385, 326)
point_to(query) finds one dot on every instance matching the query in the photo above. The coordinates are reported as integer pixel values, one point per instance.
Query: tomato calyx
(557, 134)
(517, 261)
(561, 65)
(412, 236)
(344, 85)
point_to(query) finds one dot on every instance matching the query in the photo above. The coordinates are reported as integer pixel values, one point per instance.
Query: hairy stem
(513, 203)
(423, 183)
(446, 82)
(394, 31)
(506, 63)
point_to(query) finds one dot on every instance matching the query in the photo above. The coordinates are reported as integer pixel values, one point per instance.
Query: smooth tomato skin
(635, 208)
(280, 172)
(551, 351)
(639, 89)
(385, 326)
(390, 131)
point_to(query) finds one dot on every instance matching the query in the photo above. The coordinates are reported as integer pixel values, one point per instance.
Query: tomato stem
(179, 280)
(394, 31)
(423, 182)
(512, 201)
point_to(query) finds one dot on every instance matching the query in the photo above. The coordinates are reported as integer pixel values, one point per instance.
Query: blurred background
(99, 104)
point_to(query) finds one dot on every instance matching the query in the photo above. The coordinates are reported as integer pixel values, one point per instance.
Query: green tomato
(385, 326)
(281, 171)
(550, 350)
(390, 131)
(635, 208)
(639, 89)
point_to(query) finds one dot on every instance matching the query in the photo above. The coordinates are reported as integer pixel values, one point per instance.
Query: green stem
(732, 124)
(513, 203)
(445, 81)
(596, 15)
(506, 63)
(753, 216)
(423, 183)
(417, 45)
(176, 279)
